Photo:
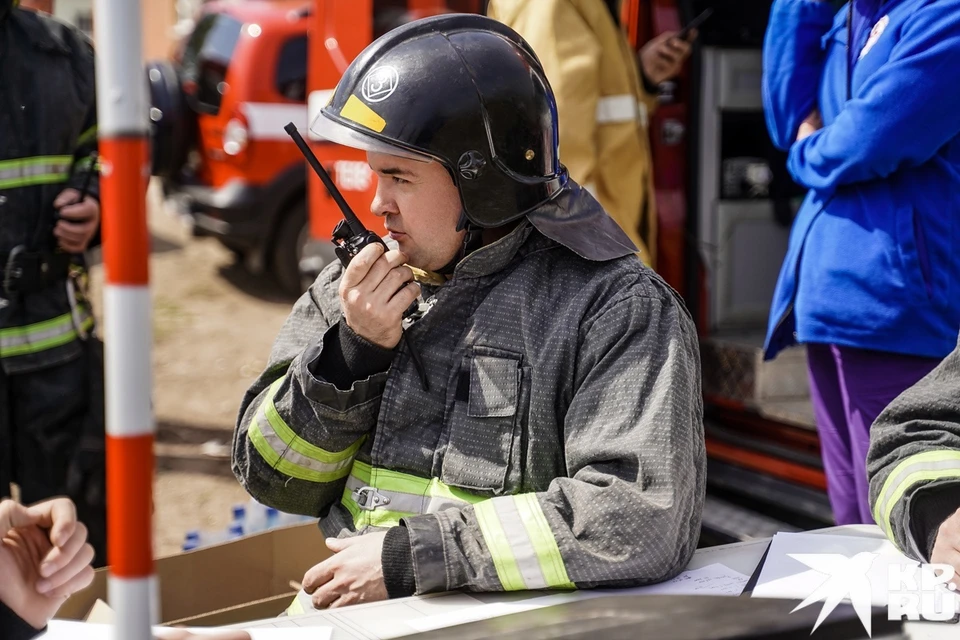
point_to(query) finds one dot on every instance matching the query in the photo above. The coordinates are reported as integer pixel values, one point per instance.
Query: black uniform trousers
(51, 437)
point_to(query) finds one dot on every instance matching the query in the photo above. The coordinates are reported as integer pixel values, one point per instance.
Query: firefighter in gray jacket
(555, 436)
(914, 467)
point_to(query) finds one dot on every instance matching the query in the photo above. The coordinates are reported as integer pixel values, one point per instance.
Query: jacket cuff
(648, 85)
(426, 551)
(14, 627)
(397, 563)
(346, 358)
(928, 508)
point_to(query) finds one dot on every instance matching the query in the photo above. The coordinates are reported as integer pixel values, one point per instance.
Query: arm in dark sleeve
(301, 423)
(13, 627)
(914, 460)
(347, 358)
(86, 143)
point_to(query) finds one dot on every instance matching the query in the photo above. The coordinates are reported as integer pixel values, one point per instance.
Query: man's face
(421, 207)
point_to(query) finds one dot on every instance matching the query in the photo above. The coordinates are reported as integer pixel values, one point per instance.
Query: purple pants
(849, 388)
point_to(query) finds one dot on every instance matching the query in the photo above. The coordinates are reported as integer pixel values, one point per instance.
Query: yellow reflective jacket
(602, 105)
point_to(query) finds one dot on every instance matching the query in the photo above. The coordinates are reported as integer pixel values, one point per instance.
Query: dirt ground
(213, 327)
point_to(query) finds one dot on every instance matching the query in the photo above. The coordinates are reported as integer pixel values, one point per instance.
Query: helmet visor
(330, 130)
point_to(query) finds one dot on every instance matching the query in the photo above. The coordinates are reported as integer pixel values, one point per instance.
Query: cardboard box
(237, 581)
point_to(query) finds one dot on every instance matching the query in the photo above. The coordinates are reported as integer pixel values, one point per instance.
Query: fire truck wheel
(291, 237)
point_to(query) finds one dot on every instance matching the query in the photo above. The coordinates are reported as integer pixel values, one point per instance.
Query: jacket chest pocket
(484, 423)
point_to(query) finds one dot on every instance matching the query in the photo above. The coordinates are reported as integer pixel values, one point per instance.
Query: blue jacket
(873, 259)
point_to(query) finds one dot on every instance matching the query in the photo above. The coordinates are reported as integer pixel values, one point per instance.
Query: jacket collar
(573, 219)
(577, 221)
(45, 34)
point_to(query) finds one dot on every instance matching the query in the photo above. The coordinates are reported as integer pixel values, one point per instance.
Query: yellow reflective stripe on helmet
(25, 172)
(926, 466)
(525, 553)
(40, 336)
(289, 454)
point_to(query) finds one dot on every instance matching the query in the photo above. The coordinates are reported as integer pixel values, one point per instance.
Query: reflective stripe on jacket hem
(524, 551)
(381, 497)
(33, 338)
(26, 172)
(288, 453)
(928, 466)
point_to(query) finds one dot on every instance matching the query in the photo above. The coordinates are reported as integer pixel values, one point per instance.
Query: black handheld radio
(350, 236)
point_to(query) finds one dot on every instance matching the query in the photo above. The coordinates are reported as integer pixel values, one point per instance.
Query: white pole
(123, 140)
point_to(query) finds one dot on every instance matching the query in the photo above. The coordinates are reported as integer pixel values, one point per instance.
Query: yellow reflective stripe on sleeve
(289, 454)
(521, 543)
(926, 466)
(25, 172)
(499, 546)
(545, 545)
(40, 336)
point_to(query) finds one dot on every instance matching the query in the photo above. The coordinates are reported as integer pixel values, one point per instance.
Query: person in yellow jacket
(603, 100)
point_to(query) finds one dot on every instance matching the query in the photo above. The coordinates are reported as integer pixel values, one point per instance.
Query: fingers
(361, 264)
(403, 298)
(318, 575)
(75, 234)
(391, 285)
(13, 514)
(325, 596)
(58, 583)
(380, 269)
(80, 211)
(79, 581)
(59, 515)
(336, 544)
(65, 197)
(60, 556)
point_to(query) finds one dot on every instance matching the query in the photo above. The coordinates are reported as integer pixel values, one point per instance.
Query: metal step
(796, 505)
(734, 371)
(723, 520)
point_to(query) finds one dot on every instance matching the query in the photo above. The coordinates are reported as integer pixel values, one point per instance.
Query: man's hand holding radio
(375, 290)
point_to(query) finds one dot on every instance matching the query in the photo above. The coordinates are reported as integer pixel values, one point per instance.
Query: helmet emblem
(471, 164)
(379, 84)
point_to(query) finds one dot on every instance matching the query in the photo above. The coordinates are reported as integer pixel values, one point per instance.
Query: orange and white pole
(123, 138)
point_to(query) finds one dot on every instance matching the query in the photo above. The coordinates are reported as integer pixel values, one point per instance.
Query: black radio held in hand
(349, 236)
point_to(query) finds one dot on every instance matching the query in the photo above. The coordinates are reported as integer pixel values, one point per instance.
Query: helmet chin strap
(472, 241)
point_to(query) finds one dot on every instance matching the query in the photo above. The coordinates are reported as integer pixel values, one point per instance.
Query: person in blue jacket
(867, 101)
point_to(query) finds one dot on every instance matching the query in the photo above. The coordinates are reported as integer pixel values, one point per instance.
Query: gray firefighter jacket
(560, 443)
(914, 460)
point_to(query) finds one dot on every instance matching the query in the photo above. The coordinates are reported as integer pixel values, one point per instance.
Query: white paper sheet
(69, 630)
(712, 580)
